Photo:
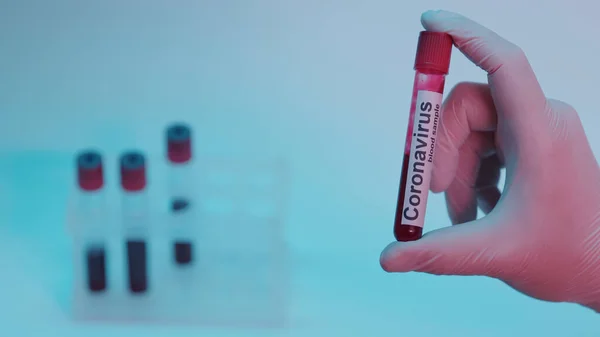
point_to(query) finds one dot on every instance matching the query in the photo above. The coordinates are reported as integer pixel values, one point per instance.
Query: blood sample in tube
(182, 248)
(90, 180)
(133, 182)
(431, 67)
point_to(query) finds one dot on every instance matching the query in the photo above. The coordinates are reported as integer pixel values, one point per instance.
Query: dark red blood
(404, 232)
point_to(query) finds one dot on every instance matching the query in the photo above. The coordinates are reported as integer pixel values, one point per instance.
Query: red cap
(133, 171)
(90, 175)
(433, 51)
(179, 143)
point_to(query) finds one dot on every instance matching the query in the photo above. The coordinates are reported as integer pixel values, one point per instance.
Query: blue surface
(333, 293)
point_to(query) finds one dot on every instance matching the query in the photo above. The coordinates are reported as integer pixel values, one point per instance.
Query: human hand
(541, 235)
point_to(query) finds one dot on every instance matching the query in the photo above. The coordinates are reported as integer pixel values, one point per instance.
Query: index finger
(515, 89)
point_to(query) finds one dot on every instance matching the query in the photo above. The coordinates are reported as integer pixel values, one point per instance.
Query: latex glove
(542, 233)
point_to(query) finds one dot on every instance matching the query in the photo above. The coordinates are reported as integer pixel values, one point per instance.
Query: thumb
(472, 248)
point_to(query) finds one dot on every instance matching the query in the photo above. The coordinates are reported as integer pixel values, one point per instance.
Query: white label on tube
(420, 163)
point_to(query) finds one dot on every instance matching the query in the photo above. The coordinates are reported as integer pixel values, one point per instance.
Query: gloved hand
(541, 235)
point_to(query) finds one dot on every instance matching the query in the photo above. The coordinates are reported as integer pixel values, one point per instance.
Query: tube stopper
(179, 143)
(433, 51)
(90, 176)
(133, 171)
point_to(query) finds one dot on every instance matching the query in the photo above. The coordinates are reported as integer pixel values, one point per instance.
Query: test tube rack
(234, 270)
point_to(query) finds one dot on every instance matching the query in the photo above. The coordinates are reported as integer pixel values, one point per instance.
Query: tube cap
(133, 171)
(179, 143)
(433, 51)
(90, 175)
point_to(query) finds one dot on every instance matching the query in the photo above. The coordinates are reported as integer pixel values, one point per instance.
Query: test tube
(432, 62)
(133, 182)
(90, 180)
(179, 156)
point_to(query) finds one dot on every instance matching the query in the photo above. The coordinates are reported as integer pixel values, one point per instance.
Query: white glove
(541, 235)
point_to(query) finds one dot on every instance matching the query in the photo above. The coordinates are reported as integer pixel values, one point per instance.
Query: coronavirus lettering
(421, 157)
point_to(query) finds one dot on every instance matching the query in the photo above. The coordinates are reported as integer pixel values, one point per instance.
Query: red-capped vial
(179, 143)
(90, 173)
(133, 171)
(90, 180)
(432, 62)
(133, 181)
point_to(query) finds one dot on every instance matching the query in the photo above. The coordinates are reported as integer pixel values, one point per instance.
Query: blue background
(325, 84)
